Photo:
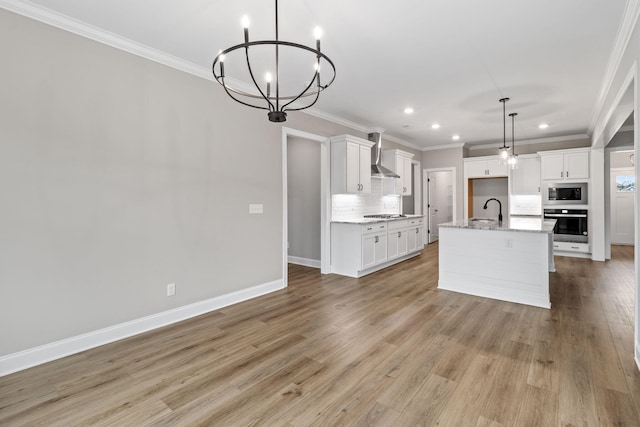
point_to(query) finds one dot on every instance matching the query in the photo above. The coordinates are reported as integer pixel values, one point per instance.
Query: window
(625, 183)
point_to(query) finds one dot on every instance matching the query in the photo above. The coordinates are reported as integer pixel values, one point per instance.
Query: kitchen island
(508, 260)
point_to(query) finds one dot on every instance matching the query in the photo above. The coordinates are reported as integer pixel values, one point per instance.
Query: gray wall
(118, 176)
(303, 194)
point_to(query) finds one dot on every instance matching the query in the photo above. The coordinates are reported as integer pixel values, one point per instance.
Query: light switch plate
(256, 208)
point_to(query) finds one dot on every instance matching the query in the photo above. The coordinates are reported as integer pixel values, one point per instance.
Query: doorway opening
(439, 199)
(306, 206)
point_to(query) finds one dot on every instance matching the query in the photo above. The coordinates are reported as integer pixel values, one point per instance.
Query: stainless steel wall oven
(571, 225)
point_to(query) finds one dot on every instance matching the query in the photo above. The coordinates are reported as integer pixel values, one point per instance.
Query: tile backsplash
(348, 206)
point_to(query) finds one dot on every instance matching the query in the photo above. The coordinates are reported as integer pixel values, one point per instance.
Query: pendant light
(261, 96)
(513, 159)
(504, 150)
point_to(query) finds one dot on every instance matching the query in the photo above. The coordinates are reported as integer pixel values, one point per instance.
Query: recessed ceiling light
(435, 126)
(543, 126)
(408, 110)
(455, 137)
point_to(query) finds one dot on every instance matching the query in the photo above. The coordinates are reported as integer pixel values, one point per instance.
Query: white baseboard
(42, 354)
(307, 262)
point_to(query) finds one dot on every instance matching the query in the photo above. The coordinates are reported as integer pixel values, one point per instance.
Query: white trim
(444, 147)
(637, 358)
(45, 353)
(534, 141)
(337, 120)
(598, 137)
(401, 142)
(629, 22)
(307, 262)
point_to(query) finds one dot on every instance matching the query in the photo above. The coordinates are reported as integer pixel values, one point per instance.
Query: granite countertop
(372, 220)
(532, 225)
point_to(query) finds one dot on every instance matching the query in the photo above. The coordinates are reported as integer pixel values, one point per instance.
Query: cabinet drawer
(374, 227)
(398, 224)
(571, 247)
(416, 221)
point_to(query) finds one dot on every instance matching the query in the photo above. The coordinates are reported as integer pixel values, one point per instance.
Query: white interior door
(433, 208)
(440, 201)
(622, 208)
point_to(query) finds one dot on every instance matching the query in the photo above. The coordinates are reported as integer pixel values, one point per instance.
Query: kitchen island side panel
(506, 265)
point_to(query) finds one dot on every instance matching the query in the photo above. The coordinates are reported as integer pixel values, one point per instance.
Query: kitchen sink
(482, 220)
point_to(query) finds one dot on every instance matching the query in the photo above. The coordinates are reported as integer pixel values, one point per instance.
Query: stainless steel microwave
(566, 194)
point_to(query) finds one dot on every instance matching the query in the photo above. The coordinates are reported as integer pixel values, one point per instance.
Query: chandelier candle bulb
(317, 32)
(267, 77)
(245, 25)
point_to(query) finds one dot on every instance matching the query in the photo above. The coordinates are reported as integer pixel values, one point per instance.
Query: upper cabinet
(525, 179)
(350, 165)
(565, 164)
(484, 168)
(399, 162)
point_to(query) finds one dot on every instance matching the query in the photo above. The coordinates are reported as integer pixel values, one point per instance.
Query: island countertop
(532, 225)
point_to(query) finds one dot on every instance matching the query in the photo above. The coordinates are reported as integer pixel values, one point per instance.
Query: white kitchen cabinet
(374, 249)
(397, 239)
(484, 168)
(565, 164)
(359, 249)
(350, 165)
(415, 239)
(525, 180)
(399, 162)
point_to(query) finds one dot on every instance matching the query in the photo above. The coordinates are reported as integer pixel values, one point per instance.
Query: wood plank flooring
(389, 349)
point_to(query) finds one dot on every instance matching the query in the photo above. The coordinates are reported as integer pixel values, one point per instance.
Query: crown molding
(444, 147)
(338, 120)
(66, 23)
(534, 141)
(628, 24)
(402, 142)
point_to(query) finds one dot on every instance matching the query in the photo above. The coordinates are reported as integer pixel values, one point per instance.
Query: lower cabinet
(374, 249)
(360, 249)
(397, 239)
(415, 241)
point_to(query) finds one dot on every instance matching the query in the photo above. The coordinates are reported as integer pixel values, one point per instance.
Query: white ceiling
(451, 60)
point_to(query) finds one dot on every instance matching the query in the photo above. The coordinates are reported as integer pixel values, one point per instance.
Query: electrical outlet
(171, 289)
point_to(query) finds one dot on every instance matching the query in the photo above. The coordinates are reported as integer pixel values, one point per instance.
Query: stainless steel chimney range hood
(377, 170)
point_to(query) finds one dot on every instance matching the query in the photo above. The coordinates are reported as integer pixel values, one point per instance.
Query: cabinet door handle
(561, 174)
(567, 174)
(417, 230)
(399, 234)
(377, 239)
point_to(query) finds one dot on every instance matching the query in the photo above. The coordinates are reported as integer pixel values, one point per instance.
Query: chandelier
(504, 150)
(513, 159)
(262, 96)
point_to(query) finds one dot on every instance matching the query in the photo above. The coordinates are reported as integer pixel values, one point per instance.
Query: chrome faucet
(499, 203)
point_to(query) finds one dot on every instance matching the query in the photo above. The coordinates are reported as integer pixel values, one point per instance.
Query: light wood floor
(388, 349)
